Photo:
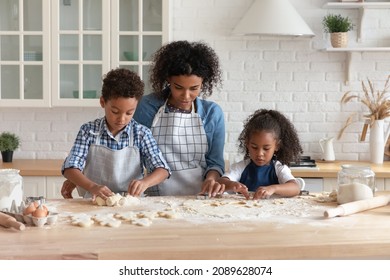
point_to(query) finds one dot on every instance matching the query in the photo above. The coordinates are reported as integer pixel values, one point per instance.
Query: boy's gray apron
(182, 139)
(112, 168)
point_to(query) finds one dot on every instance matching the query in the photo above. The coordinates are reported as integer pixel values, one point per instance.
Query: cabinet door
(92, 37)
(34, 186)
(53, 186)
(80, 50)
(139, 28)
(24, 52)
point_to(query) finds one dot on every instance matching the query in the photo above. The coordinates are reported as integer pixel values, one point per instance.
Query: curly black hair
(185, 58)
(284, 132)
(121, 82)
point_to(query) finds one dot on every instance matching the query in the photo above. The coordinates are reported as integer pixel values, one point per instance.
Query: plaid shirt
(150, 154)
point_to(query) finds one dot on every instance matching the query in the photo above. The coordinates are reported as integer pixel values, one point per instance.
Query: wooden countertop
(360, 236)
(330, 169)
(35, 167)
(52, 167)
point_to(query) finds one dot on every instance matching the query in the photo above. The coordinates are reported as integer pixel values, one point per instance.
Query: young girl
(269, 142)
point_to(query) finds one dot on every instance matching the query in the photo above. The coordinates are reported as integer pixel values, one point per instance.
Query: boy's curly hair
(185, 58)
(283, 130)
(122, 82)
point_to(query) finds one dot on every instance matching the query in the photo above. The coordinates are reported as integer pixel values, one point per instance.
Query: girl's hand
(212, 187)
(264, 192)
(67, 189)
(240, 188)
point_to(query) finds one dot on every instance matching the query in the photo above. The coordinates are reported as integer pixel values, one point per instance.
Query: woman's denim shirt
(213, 123)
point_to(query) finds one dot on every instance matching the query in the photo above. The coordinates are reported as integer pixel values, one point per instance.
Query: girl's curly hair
(283, 130)
(185, 58)
(122, 82)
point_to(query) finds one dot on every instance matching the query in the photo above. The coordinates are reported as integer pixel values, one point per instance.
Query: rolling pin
(357, 206)
(9, 221)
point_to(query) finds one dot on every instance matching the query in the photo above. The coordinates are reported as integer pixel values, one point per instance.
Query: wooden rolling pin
(357, 206)
(9, 221)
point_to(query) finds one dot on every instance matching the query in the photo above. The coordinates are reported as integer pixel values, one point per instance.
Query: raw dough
(82, 220)
(107, 220)
(144, 222)
(113, 200)
(352, 192)
(118, 200)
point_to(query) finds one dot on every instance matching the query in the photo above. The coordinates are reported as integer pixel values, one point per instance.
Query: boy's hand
(137, 187)
(102, 191)
(67, 189)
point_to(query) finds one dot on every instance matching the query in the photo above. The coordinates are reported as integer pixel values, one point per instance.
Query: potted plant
(338, 27)
(9, 142)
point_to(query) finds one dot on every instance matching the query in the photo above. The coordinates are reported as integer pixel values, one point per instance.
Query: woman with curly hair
(110, 153)
(189, 130)
(269, 142)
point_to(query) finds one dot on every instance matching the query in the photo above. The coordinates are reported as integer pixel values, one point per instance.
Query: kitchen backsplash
(293, 75)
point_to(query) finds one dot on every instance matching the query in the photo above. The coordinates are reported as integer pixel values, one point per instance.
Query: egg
(40, 212)
(29, 209)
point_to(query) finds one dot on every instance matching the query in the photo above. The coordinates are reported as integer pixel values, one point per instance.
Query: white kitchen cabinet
(46, 186)
(25, 53)
(54, 53)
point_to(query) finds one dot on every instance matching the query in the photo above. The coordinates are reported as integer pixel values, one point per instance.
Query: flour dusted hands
(137, 187)
(100, 191)
(212, 187)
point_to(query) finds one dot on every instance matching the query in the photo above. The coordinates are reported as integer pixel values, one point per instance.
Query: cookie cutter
(202, 196)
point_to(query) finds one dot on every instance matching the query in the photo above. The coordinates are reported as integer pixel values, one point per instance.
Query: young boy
(110, 153)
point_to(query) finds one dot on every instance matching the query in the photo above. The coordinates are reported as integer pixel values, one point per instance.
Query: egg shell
(29, 209)
(40, 212)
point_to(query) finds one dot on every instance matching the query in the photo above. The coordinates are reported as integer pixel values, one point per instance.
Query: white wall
(292, 75)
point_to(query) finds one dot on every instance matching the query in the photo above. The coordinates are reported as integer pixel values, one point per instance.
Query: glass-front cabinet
(55, 52)
(24, 53)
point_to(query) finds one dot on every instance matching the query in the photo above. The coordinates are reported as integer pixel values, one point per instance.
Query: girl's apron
(254, 176)
(112, 168)
(182, 139)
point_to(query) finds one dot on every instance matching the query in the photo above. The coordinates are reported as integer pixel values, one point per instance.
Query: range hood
(274, 18)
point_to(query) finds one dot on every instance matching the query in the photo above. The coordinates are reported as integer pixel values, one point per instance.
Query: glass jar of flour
(11, 189)
(355, 182)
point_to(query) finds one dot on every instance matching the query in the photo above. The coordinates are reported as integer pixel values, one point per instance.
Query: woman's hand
(67, 189)
(212, 187)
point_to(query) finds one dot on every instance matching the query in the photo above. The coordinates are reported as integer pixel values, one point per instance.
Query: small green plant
(337, 23)
(9, 142)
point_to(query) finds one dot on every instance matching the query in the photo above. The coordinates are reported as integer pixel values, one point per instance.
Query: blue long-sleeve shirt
(213, 123)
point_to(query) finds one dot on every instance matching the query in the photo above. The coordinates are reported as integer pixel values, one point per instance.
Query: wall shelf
(350, 52)
(362, 7)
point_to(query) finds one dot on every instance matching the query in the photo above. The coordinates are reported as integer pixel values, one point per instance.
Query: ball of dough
(353, 192)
